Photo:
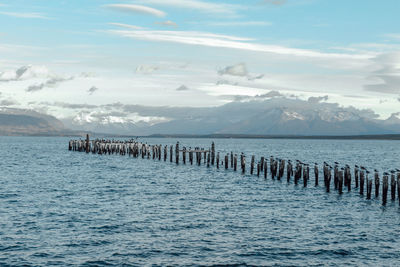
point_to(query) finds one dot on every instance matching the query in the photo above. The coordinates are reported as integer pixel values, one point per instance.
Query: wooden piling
(361, 182)
(265, 169)
(369, 187)
(177, 153)
(340, 181)
(87, 143)
(377, 183)
(252, 165)
(385, 187)
(392, 186)
(356, 172)
(212, 153)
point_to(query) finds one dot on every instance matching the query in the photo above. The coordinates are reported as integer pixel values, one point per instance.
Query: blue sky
(140, 52)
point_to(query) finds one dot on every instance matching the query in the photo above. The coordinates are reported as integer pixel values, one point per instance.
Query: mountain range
(273, 116)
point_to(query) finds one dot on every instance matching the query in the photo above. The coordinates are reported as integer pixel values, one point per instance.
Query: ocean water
(62, 208)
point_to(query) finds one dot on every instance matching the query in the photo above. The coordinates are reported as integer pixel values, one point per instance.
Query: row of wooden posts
(342, 177)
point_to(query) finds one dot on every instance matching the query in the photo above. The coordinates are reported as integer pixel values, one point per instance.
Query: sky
(56, 55)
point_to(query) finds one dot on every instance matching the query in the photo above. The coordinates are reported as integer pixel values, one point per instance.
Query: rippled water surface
(68, 208)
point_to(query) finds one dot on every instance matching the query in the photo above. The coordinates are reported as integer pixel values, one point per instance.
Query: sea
(65, 208)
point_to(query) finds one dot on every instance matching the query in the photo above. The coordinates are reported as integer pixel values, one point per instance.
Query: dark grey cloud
(388, 75)
(182, 88)
(52, 82)
(8, 102)
(271, 94)
(68, 105)
(14, 75)
(92, 90)
(318, 99)
(257, 77)
(221, 82)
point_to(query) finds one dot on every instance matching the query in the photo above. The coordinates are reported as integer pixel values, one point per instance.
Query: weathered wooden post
(165, 152)
(265, 169)
(336, 175)
(392, 186)
(87, 143)
(258, 169)
(177, 153)
(289, 170)
(235, 162)
(208, 160)
(243, 163)
(199, 154)
(377, 183)
(385, 187)
(231, 159)
(184, 155)
(398, 185)
(226, 161)
(362, 182)
(328, 179)
(212, 153)
(369, 187)
(305, 176)
(252, 165)
(170, 153)
(348, 177)
(356, 175)
(262, 164)
(217, 160)
(340, 181)
(316, 173)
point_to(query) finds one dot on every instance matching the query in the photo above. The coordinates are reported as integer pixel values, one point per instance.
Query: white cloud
(235, 70)
(127, 26)
(168, 23)
(24, 73)
(206, 7)
(24, 15)
(395, 36)
(226, 41)
(137, 9)
(275, 2)
(146, 69)
(239, 23)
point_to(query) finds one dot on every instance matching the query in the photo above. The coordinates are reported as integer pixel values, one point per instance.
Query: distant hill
(28, 122)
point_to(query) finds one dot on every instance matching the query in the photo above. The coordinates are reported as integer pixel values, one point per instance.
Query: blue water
(68, 208)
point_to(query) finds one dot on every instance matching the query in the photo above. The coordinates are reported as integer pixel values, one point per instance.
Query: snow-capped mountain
(274, 116)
